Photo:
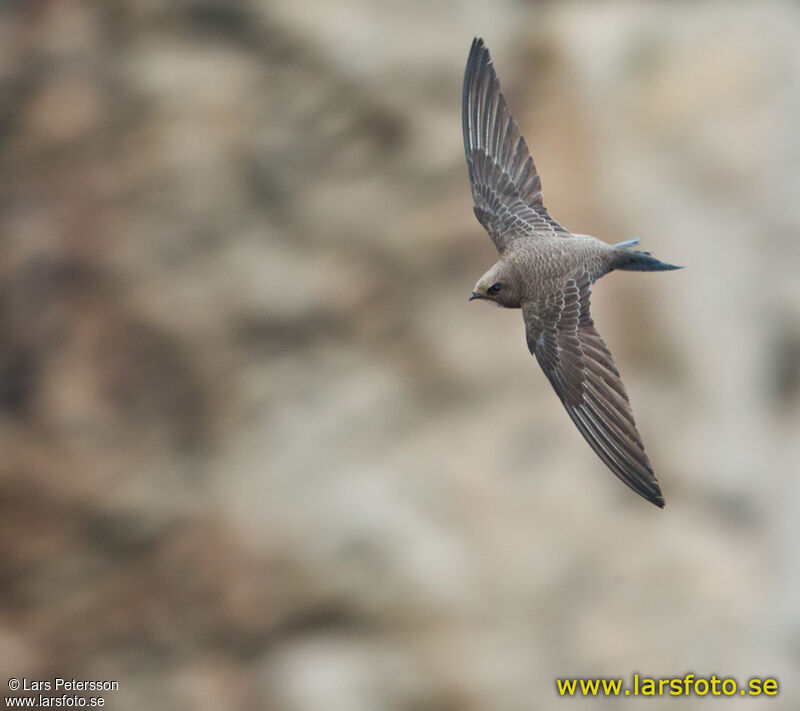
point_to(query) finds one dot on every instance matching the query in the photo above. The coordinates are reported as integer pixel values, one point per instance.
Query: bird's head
(500, 284)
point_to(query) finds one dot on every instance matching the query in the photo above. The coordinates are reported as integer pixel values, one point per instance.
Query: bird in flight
(547, 271)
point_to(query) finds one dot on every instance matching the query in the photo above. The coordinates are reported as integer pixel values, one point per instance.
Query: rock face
(259, 452)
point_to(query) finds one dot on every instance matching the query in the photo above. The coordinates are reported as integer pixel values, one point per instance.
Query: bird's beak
(475, 295)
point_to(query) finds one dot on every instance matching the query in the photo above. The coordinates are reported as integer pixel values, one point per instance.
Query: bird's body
(545, 264)
(547, 271)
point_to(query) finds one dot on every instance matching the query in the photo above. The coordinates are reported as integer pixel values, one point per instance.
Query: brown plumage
(547, 271)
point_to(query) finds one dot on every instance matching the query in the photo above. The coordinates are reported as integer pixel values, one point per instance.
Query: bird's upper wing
(562, 336)
(505, 185)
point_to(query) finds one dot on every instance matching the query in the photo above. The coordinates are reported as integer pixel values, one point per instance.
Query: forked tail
(634, 260)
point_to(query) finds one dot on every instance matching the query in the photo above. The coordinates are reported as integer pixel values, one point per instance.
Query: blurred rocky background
(258, 450)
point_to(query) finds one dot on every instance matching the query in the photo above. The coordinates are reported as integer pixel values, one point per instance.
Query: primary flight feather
(548, 271)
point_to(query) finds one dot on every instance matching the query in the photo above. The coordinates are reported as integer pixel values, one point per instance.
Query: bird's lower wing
(561, 334)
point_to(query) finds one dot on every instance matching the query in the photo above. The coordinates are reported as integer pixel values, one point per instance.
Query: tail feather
(629, 242)
(633, 260)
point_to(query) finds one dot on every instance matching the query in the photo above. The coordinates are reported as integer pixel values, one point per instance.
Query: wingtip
(655, 497)
(650, 491)
(477, 50)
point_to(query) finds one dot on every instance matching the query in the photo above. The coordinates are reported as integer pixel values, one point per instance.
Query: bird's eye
(494, 288)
